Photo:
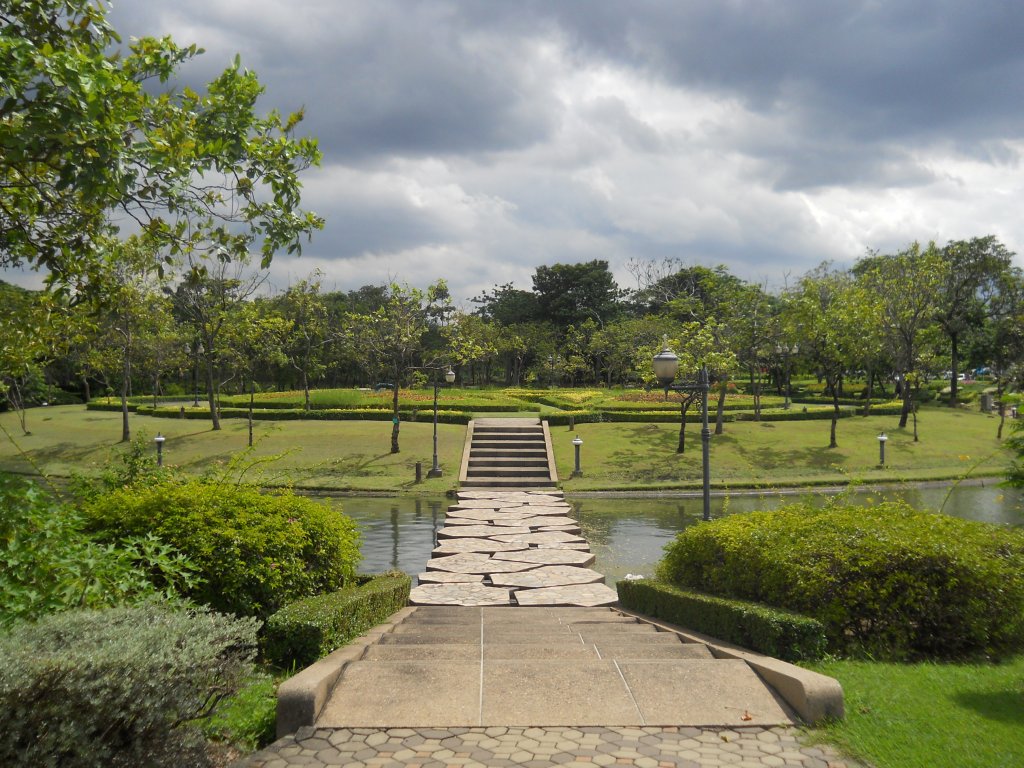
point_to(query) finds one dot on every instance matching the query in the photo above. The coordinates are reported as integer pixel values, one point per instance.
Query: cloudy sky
(476, 140)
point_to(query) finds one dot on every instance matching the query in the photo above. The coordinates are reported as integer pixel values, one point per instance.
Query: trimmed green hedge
(307, 630)
(299, 414)
(887, 581)
(760, 628)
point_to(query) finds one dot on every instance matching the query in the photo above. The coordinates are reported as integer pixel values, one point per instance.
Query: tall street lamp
(449, 376)
(666, 367)
(159, 440)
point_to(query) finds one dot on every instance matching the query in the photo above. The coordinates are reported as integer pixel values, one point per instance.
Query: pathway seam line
(643, 720)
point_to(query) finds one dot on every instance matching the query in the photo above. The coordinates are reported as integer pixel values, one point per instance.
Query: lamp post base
(576, 474)
(434, 472)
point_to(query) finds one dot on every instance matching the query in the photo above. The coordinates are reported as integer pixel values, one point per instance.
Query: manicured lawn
(776, 454)
(355, 455)
(324, 454)
(930, 715)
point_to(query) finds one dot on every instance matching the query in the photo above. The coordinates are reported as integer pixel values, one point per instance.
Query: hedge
(299, 414)
(253, 552)
(760, 628)
(309, 629)
(887, 581)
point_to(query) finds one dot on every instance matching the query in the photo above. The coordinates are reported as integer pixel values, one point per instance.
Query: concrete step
(505, 483)
(636, 651)
(508, 437)
(527, 472)
(506, 461)
(555, 692)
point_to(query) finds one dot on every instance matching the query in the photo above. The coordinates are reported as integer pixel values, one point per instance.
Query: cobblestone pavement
(581, 747)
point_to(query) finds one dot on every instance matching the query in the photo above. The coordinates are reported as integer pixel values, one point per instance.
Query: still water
(627, 534)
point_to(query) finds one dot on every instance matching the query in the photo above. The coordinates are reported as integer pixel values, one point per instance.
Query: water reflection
(628, 534)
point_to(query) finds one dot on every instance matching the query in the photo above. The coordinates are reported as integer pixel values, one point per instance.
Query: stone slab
(458, 594)
(731, 693)
(540, 521)
(484, 515)
(481, 531)
(643, 651)
(455, 545)
(577, 594)
(548, 557)
(512, 651)
(405, 693)
(548, 576)
(547, 537)
(555, 692)
(446, 577)
(483, 504)
(423, 652)
(469, 562)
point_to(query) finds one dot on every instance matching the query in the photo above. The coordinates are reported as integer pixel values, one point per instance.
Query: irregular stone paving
(581, 747)
(491, 533)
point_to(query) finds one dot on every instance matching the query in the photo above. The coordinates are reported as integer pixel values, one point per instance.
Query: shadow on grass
(1004, 706)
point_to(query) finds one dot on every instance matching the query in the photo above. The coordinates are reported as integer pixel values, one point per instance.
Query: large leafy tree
(974, 273)
(388, 340)
(306, 311)
(569, 294)
(89, 133)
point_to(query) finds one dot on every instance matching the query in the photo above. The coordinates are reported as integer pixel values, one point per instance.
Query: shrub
(887, 580)
(760, 628)
(254, 552)
(48, 564)
(304, 631)
(118, 687)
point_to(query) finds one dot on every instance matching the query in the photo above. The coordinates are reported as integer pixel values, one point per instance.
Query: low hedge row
(693, 416)
(309, 629)
(299, 414)
(827, 400)
(886, 581)
(111, 406)
(760, 628)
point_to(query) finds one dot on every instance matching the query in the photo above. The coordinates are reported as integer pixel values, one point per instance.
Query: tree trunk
(395, 423)
(835, 417)
(907, 398)
(85, 388)
(252, 389)
(210, 395)
(1002, 409)
(954, 367)
(305, 388)
(871, 383)
(720, 412)
(126, 433)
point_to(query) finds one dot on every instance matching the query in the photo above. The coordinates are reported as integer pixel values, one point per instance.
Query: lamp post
(666, 366)
(159, 440)
(577, 442)
(882, 437)
(785, 351)
(449, 376)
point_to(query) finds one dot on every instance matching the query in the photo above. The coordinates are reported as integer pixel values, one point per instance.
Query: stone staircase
(464, 667)
(507, 453)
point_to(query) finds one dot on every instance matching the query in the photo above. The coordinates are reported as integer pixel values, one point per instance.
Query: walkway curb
(813, 696)
(301, 697)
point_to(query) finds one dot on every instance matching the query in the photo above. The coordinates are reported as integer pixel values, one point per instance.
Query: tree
(831, 314)
(205, 300)
(973, 273)
(507, 305)
(29, 330)
(304, 307)
(907, 286)
(569, 294)
(387, 340)
(86, 131)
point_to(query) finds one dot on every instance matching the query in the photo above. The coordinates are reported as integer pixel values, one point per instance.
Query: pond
(627, 534)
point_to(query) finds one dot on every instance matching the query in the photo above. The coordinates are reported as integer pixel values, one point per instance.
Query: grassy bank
(780, 454)
(351, 455)
(930, 715)
(355, 455)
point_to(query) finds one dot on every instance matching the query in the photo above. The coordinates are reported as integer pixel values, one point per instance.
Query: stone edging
(552, 471)
(815, 697)
(466, 450)
(301, 697)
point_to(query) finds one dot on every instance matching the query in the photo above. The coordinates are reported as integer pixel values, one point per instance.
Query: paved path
(583, 747)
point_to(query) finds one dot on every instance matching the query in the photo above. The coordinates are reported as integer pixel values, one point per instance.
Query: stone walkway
(511, 548)
(582, 747)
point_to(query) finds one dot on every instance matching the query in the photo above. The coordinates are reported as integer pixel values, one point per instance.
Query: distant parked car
(382, 386)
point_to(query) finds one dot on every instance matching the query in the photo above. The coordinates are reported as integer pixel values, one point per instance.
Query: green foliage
(118, 687)
(248, 719)
(887, 581)
(1016, 443)
(49, 564)
(760, 628)
(304, 631)
(255, 552)
(297, 414)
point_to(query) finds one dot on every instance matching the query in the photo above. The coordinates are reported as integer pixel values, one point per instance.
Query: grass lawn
(355, 455)
(339, 455)
(930, 715)
(777, 454)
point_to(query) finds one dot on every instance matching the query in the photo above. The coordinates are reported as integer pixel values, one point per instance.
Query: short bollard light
(159, 440)
(882, 437)
(577, 442)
